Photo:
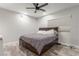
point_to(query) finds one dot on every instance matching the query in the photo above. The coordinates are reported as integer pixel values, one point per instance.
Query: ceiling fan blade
(42, 10)
(43, 5)
(30, 8)
(35, 4)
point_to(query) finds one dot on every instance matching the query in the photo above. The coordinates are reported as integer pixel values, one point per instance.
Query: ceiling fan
(38, 7)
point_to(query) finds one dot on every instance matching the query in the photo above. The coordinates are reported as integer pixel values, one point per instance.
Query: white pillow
(49, 32)
(41, 32)
(52, 32)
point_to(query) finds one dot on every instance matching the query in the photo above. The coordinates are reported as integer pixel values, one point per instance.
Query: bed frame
(26, 45)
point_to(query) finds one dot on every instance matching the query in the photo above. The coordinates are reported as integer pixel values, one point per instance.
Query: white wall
(64, 24)
(75, 27)
(43, 21)
(71, 38)
(1, 47)
(13, 25)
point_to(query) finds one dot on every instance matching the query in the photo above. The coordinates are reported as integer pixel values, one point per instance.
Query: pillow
(50, 32)
(41, 32)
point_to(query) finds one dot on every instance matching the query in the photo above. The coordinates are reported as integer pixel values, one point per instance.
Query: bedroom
(16, 20)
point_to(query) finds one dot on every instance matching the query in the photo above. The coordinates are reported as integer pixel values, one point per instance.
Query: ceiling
(50, 8)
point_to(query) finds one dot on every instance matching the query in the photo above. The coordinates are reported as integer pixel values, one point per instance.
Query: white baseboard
(75, 46)
(64, 43)
(9, 43)
(71, 45)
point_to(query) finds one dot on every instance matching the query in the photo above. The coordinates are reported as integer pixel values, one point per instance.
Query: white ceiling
(50, 8)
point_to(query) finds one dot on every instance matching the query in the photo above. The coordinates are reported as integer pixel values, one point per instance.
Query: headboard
(49, 28)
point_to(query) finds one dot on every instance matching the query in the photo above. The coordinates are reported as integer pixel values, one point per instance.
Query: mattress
(38, 41)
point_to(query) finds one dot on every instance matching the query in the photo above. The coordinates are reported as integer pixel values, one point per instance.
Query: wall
(71, 38)
(64, 24)
(75, 27)
(44, 20)
(1, 47)
(13, 25)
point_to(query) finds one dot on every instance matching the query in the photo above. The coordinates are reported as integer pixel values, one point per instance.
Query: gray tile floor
(12, 49)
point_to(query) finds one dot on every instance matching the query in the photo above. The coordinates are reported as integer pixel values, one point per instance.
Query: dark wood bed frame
(26, 45)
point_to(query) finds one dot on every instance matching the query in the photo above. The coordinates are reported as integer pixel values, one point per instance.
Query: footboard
(26, 45)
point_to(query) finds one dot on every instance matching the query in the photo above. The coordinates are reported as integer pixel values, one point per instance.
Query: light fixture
(44, 13)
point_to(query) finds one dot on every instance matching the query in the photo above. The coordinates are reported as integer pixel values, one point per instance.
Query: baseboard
(9, 43)
(64, 44)
(75, 46)
(70, 45)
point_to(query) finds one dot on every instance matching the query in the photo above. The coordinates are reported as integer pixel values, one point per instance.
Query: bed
(39, 43)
